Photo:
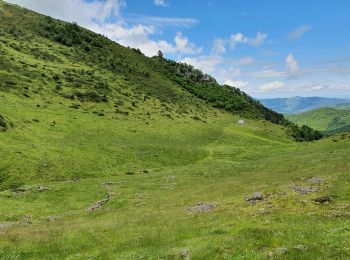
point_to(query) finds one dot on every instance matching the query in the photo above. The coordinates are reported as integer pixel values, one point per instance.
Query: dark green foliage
(160, 54)
(124, 113)
(75, 106)
(137, 51)
(70, 34)
(304, 133)
(119, 103)
(91, 96)
(3, 124)
(8, 181)
(56, 77)
(99, 113)
(223, 97)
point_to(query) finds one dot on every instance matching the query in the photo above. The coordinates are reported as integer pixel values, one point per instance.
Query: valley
(109, 154)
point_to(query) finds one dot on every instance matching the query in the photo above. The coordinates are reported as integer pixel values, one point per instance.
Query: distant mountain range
(301, 104)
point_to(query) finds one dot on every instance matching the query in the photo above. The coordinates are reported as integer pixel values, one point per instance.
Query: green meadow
(157, 172)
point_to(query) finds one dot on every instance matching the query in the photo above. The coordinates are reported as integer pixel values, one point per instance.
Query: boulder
(257, 196)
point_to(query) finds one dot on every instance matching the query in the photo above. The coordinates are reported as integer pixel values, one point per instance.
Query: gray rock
(303, 190)
(185, 254)
(278, 251)
(316, 180)
(202, 207)
(301, 247)
(42, 188)
(281, 250)
(257, 196)
(97, 205)
(170, 178)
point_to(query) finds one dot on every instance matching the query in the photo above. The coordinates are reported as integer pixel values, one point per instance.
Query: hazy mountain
(300, 104)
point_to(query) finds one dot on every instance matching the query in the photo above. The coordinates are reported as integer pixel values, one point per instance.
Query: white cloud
(268, 73)
(224, 72)
(138, 37)
(160, 21)
(236, 83)
(214, 65)
(292, 70)
(244, 61)
(95, 15)
(298, 32)
(258, 40)
(184, 46)
(82, 12)
(205, 63)
(316, 87)
(237, 38)
(219, 46)
(291, 64)
(160, 3)
(274, 85)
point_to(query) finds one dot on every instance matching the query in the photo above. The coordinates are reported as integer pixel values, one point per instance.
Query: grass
(219, 162)
(75, 129)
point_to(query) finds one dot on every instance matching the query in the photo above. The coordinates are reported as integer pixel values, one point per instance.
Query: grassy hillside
(301, 104)
(77, 64)
(330, 120)
(106, 154)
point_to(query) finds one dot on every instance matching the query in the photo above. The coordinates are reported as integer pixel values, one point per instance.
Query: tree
(160, 54)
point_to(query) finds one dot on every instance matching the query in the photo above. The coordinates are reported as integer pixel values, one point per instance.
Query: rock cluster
(202, 207)
(257, 196)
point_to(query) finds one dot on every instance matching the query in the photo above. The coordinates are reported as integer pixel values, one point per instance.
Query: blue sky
(268, 48)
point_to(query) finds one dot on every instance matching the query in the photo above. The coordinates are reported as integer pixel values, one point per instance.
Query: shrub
(75, 106)
(56, 77)
(91, 96)
(3, 124)
(124, 113)
(8, 181)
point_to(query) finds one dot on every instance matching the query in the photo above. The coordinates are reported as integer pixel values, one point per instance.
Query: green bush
(3, 124)
(91, 96)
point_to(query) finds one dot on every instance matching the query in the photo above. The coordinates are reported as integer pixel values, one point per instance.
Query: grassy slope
(323, 119)
(159, 161)
(94, 68)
